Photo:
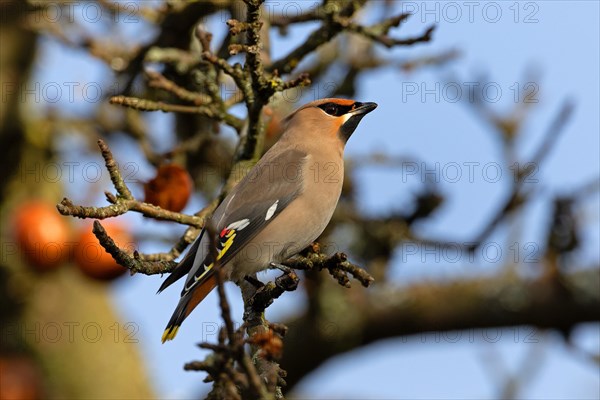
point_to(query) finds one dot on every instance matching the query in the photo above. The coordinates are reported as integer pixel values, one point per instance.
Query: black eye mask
(336, 110)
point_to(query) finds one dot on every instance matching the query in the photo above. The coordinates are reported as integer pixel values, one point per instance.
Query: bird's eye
(331, 109)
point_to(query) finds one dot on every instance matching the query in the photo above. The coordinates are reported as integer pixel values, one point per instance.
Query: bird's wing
(258, 198)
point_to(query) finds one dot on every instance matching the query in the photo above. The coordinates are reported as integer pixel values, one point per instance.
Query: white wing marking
(271, 211)
(239, 225)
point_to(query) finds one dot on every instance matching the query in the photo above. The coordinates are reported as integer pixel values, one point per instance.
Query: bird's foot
(266, 293)
(281, 267)
(288, 281)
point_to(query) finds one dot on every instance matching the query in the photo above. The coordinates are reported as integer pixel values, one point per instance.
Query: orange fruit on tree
(93, 260)
(42, 234)
(274, 127)
(21, 378)
(170, 189)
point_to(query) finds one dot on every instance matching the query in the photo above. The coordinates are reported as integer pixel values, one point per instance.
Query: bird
(281, 206)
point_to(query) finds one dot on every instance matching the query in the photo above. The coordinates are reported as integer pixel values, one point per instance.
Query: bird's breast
(300, 223)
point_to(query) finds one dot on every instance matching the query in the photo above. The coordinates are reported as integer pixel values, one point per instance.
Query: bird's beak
(363, 108)
(353, 117)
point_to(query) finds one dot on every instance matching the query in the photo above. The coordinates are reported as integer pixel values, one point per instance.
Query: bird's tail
(184, 266)
(187, 303)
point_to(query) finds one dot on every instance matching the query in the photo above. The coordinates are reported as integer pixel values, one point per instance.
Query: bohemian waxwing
(281, 206)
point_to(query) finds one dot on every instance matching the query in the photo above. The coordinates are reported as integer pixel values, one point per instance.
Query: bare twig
(265, 295)
(157, 80)
(379, 32)
(517, 197)
(121, 206)
(337, 265)
(113, 170)
(320, 36)
(133, 263)
(150, 105)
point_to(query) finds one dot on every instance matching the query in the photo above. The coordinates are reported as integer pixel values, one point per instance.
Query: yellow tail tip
(170, 333)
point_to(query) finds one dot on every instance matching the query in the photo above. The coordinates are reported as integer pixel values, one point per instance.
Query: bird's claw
(281, 267)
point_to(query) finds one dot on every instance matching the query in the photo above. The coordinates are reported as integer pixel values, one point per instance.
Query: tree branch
(124, 201)
(133, 263)
(208, 111)
(337, 265)
(477, 303)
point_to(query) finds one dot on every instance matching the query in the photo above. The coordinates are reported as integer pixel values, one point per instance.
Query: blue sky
(559, 40)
